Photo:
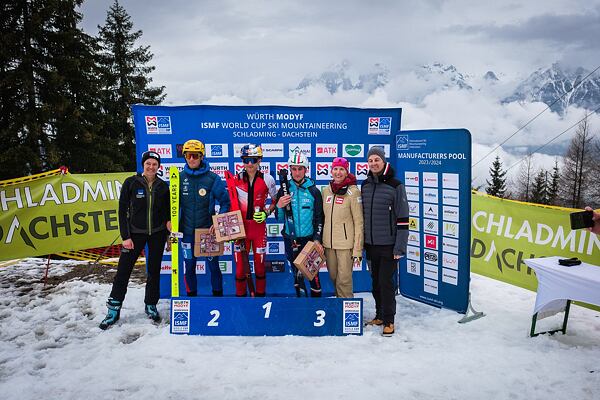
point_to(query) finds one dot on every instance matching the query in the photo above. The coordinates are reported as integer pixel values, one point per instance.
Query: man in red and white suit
(253, 188)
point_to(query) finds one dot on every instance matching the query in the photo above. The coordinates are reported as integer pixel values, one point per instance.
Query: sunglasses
(192, 156)
(250, 160)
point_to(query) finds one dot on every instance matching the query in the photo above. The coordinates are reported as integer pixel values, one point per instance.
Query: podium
(266, 316)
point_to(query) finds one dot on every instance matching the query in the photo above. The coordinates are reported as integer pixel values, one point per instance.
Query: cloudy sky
(257, 52)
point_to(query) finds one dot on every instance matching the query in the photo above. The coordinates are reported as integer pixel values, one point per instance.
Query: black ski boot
(113, 314)
(152, 313)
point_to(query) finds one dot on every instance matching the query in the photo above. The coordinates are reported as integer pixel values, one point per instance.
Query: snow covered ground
(51, 348)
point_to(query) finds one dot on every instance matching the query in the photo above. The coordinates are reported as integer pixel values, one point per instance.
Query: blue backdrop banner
(321, 133)
(435, 166)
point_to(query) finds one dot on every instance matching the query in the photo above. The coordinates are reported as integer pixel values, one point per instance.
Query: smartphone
(582, 219)
(569, 262)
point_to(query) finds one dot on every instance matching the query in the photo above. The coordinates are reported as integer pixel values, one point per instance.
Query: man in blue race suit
(307, 213)
(200, 187)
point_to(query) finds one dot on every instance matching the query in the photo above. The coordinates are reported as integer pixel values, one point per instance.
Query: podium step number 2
(269, 316)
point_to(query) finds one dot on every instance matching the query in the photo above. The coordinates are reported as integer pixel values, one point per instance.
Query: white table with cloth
(558, 285)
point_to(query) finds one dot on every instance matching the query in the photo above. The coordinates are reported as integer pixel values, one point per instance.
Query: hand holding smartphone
(582, 219)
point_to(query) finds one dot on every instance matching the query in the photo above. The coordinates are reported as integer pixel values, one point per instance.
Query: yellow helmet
(193, 145)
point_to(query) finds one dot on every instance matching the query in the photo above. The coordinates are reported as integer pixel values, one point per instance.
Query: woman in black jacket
(143, 219)
(385, 210)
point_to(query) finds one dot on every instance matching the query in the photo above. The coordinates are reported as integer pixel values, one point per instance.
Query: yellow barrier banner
(505, 232)
(59, 213)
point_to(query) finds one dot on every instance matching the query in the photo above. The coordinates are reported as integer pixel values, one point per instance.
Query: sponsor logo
(450, 276)
(163, 170)
(411, 178)
(380, 125)
(430, 271)
(413, 208)
(227, 248)
(414, 239)
(430, 195)
(430, 179)
(275, 266)
(401, 142)
(265, 168)
(226, 267)
(450, 197)
(219, 168)
(272, 149)
(281, 165)
(275, 248)
(430, 226)
(163, 150)
(239, 167)
(384, 147)
(329, 200)
(413, 267)
(361, 170)
(180, 316)
(430, 286)
(450, 213)
(304, 148)
(412, 193)
(353, 150)
(237, 149)
(323, 170)
(274, 230)
(352, 316)
(450, 245)
(449, 181)
(430, 256)
(200, 267)
(339, 200)
(450, 260)
(413, 253)
(326, 150)
(158, 125)
(450, 229)
(413, 224)
(217, 150)
(165, 267)
(431, 242)
(430, 210)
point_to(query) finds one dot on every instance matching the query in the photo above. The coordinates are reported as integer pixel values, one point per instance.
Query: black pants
(383, 268)
(156, 245)
(291, 252)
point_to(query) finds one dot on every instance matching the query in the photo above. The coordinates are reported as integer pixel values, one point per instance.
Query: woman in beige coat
(343, 227)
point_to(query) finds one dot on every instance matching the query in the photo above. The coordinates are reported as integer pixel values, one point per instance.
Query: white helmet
(299, 159)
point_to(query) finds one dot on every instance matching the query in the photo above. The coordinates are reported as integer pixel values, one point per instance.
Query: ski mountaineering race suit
(307, 211)
(250, 196)
(199, 188)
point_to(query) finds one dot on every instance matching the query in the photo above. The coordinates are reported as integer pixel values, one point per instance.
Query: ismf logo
(274, 247)
(180, 316)
(164, 150)
(402, 142)
(323, 170)
(217, 150)
(326, 149)
(352, 316)
(380, 125)
(158, 125)
(362, 170)
(431, 242)
(353, 150)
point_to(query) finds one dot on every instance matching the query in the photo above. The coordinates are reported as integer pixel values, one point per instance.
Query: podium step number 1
(268, 316)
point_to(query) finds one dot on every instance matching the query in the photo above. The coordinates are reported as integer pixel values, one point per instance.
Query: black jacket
(141, 209)
(385, 209)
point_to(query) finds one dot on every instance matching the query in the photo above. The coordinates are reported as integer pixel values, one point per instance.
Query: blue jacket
(199, 188)
(307, 210)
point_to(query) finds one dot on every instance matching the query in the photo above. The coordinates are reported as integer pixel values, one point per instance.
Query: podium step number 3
(269, 316)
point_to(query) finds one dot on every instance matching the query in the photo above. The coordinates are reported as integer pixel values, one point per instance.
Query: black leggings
(156, 245)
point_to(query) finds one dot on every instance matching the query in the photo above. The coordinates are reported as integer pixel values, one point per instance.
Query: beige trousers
(339, 265)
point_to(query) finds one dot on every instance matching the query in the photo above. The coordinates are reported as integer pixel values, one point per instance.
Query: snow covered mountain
(446, 75)
(548, 85)
(340, 77)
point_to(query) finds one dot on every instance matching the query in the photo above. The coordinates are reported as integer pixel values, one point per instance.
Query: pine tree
(125, 74)
(539, 193)
(48, 88)
(497, 187)
(553, 185)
